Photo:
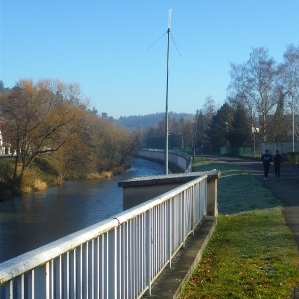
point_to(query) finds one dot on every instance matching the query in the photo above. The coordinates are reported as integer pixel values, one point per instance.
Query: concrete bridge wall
(178, 161)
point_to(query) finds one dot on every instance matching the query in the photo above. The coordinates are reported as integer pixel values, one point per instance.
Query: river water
(33, 220)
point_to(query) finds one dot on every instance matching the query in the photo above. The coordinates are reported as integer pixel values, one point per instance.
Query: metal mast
(166, 113)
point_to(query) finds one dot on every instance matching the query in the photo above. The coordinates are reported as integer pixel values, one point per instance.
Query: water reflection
(34, 220)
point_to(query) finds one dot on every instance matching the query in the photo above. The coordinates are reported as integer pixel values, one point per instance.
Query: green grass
(252, 253)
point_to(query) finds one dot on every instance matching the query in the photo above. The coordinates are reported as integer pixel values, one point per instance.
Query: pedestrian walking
(277, 162)
(266, 158)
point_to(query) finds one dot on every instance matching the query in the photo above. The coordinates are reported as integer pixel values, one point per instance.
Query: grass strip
(252, 253)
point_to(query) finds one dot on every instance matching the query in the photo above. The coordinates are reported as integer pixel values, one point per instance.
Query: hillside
(145, 121)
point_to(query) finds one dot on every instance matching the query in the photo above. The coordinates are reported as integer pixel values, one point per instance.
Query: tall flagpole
(166, 113)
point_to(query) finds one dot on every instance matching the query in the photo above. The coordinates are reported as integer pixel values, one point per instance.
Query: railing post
(183, 212)
(212, 206)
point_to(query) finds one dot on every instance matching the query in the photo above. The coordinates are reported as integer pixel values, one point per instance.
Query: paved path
(286, 190)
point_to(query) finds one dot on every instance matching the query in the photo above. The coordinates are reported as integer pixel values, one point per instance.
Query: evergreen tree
(217, 131)
(239, 133)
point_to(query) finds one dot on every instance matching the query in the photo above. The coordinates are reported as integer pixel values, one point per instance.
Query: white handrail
(116, 258)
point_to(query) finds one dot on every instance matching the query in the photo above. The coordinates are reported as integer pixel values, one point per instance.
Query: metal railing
(116, 258)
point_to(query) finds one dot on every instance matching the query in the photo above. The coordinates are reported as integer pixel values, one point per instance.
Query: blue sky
(112, 48)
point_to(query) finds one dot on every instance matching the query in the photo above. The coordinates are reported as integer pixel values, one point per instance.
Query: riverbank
(38, 218)
(37, 179)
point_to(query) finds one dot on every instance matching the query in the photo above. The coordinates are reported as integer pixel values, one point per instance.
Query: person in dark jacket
(277, 162)
(266, 158)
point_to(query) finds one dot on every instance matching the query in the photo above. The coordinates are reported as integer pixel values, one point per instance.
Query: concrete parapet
(140, 189)
(177, 161)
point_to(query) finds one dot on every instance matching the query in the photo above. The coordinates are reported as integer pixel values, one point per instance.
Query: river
(32, 220)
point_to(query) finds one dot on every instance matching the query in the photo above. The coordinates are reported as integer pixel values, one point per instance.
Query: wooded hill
(137, 121)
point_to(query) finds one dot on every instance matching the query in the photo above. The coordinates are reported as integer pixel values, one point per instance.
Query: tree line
(48, 122)
(262, 97)
(47, 125)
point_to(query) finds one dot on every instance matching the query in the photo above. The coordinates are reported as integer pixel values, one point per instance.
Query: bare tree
(255, 84)
(39, 118)
(209, 108)
(289, 77)
(71, 159)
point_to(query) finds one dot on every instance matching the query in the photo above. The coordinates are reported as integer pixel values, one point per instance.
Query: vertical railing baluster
(149, 252)
(136, 249)
(125, 257)
(170, 235)
(194, 210)
(135, 255)
(123, 261)
(184, 217)
(103, 264)
(20, 286)
(42, 281)
(130, 257)
(141, 252)
(114, 247)
(156, 239)
(97, 268)
(30, 286)
(91, 261)
(72, 274)
(57, 275)
(119, 262)
(79, 271)
(145, 250)
(128, 261)
(166, 220)
(107, 256)
(52, 279)
(9, 290)
(85, 270)
(162, 235)
(65, 275)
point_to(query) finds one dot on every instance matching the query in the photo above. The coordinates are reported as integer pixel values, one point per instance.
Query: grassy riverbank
(41, 175)
(252, 253)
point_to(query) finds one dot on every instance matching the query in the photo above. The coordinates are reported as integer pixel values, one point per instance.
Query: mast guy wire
(175, 44)
(155, 42)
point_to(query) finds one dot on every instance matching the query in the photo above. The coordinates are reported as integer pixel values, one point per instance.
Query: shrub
(293, 157)
(40, 185)
(102, 175)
